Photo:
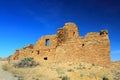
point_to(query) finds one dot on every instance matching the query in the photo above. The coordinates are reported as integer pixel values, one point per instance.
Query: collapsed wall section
(23, 52)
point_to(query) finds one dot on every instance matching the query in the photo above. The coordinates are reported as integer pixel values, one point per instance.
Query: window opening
(47, 42)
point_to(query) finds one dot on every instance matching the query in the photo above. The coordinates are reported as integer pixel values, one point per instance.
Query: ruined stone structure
(68, 45)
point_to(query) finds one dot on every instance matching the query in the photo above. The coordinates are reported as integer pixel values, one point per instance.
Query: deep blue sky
(24, 21)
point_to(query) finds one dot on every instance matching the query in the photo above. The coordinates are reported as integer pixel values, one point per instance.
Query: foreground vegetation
(64, 71)
(26, 62)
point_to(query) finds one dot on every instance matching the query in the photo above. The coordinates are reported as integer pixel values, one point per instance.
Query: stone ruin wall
(94, 47)
(67, 45)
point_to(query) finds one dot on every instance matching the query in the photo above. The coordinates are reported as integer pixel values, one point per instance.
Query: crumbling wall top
(70, 26)
(104, 32)
(95, 34)
(29, 46)
(69, 23)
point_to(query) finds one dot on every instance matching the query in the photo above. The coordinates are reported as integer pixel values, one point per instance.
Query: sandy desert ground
(62, 71)
(5, 75)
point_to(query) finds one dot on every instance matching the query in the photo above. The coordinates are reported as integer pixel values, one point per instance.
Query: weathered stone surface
(67, 45)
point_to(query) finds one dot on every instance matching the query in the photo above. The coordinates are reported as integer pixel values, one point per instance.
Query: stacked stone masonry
(68, 46)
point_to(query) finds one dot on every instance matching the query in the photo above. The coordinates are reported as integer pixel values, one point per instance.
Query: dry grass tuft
(6, 67)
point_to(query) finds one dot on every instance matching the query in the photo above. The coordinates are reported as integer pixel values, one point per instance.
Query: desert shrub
(81, 66)
(26, 62)
(65, 78)
(93, 64)
(84, 68)
(105, 78)
(70, 70)
(35, 79)
(6, 67)
(28, 59)
(81, 75)
(20, 78)
(59, 71)
(70, 64)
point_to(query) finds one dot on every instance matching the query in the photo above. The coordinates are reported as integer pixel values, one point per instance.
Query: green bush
(28, 59)
(65, 78)
(35, 79)
(70, 70)
(93, 64)
(81, 66)
(105, 78)
(20, 78)
(26, 62)
(59, 71)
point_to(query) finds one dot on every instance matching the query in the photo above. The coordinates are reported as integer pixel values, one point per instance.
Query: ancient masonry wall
(68, 45)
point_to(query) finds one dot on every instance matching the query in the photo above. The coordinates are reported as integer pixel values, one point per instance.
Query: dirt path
(4, 75)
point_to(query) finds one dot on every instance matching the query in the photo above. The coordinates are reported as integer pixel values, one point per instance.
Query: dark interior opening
(45, 58)
(83, 45)
(73, 33)
(38, 52)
